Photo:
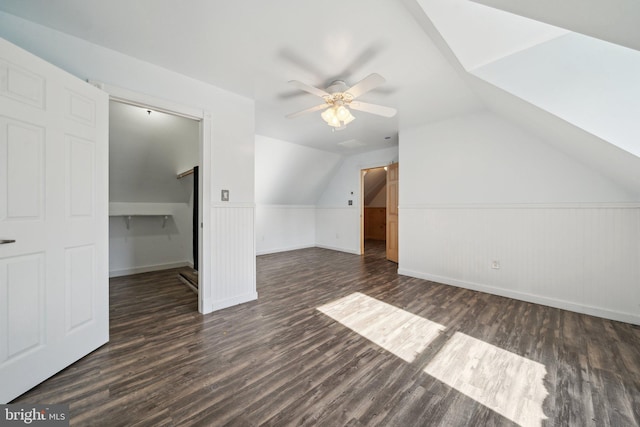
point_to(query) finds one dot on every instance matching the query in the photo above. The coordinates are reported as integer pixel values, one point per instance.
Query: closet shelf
(130, 210)
(186, 173)
(129, 217)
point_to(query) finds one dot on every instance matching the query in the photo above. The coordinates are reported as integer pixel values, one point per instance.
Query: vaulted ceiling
(561, 70)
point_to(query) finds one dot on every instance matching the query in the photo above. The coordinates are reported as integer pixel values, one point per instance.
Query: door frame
(130, 97)
(363, 171)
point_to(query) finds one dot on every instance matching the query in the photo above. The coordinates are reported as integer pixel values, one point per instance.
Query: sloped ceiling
(291, 174)
(578, 93)
(146, 153)
(615, 21)
(544, 64)
(588, 82)
(479, 35)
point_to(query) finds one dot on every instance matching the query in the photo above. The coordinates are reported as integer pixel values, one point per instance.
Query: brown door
(392, 212)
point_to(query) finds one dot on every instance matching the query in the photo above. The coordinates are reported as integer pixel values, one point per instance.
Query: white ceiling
(254, 47)
(146, 153)
(616, 21)
(480, 35)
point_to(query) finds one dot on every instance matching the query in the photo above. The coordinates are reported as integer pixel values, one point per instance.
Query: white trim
(138, 99)
(229, 302)
(232, 205)
(206, 137)
(204, 184)
(567, 205)
(149, 268)
(286, 249)
(354, 207)
(522, 296)
(334, 248)
(286, 206)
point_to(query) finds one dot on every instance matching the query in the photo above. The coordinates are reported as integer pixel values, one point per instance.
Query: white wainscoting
(233, 255)
(338, 228)
(579, 257)
(282, 228)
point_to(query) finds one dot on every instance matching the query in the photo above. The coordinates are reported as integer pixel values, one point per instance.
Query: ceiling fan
(339, 99)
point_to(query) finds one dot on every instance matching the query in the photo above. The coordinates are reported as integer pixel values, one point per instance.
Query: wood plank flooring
(280, 361)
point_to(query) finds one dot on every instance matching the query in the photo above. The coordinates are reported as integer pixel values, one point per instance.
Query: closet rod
(185, 173)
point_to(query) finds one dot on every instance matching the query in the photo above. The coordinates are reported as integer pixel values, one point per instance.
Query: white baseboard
(522, 296)
(148, 268)
(289, 248)
(229, 302)
(334, 248)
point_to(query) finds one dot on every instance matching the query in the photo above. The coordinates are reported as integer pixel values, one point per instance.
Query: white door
(54, 297)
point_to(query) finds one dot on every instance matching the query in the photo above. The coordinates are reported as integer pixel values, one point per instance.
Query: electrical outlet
(350, 202)
(495, 265)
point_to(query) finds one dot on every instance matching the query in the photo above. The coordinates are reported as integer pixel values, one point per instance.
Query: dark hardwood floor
(481, 359)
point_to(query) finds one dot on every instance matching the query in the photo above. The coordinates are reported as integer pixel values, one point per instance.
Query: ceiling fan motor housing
(337, 86)
(338, 96)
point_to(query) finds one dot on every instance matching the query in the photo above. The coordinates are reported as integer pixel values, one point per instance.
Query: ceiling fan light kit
(339, 100)
(337, 116)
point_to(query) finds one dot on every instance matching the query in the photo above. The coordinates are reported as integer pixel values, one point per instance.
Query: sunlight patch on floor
(397, 331)
(505, 382)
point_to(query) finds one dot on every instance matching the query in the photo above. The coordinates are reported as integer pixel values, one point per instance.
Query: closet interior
(153, 192)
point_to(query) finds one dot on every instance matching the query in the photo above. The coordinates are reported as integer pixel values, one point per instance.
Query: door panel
(21, 84)
(54, 204)
(392, 212)
(23, 327)
(23, 146)
(80, 155)
(79, 269)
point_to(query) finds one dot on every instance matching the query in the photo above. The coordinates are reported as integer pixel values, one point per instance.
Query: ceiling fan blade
(308, 110)
(312, 90)
(370, 82)
(379, 110)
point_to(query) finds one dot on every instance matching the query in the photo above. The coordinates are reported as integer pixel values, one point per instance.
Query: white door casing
(54, 302)
(128, 96)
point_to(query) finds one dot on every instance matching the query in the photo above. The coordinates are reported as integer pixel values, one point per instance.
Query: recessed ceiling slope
(616, 21)
(590, 83)
(479, 35)
(587, 82)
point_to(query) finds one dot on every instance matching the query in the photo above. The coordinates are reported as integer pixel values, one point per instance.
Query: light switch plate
(224, 195)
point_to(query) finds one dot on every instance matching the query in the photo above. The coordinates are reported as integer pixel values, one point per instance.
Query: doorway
(193, 184)
(153, 192)
(374, 210)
